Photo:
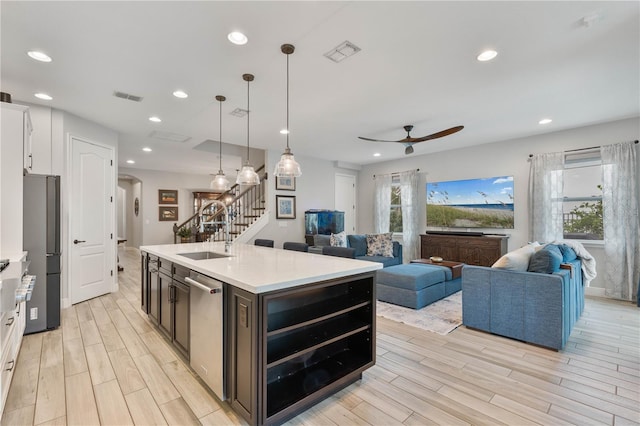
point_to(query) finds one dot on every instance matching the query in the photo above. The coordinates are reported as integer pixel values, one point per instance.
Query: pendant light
(248, 175)
(287, 166)
(220, 183)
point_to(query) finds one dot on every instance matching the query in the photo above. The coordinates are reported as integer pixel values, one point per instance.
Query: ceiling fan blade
(437, 135)
(374, 140)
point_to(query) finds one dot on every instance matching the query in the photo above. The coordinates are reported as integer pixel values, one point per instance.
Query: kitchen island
(294, 327)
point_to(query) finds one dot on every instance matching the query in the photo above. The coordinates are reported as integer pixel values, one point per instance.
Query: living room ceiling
(577, 63)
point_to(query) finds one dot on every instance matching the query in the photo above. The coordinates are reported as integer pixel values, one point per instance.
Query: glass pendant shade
(248, 175)
(287, 166)
(220, 183)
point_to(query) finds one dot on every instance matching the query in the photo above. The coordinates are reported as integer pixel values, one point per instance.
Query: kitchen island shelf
(307, 339)
(296, 309)
(311, 314)
(323, 368)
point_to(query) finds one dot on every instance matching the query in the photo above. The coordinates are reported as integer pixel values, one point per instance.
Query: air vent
(168, 136)
(239, 112)
(342, 51)
(127, 96)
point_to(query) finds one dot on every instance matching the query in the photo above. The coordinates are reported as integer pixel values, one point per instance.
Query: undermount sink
(203, 255)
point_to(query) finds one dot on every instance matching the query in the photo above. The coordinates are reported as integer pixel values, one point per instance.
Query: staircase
(246, 205)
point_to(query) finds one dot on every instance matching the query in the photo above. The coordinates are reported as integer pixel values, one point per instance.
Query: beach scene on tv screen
(471, 203)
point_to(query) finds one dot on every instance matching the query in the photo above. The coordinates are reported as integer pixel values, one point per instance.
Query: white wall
(315, 189)
(495, 159)
(125, 210)
(135, 231)
(153, 230)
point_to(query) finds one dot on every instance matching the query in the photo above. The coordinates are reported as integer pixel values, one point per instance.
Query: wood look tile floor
(107, 365)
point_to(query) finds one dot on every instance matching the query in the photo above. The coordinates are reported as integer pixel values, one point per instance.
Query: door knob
(78, 241)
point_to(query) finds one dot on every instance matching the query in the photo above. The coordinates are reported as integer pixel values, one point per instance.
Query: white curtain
(621, 220)
(382, 205)
(409, 200)
(545, 196)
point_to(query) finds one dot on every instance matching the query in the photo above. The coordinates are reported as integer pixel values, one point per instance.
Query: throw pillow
(516, 260)
(358, 243)
(339, 239)
(568, 254)
(545, 261)
(380, 245)
(321, 240)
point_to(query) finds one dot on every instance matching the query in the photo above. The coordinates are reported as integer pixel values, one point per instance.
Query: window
(395, 219)
(582, 196)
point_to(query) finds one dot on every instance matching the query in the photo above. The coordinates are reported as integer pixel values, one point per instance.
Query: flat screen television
(471, 203)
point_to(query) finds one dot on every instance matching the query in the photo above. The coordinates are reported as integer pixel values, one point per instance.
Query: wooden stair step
(247, 216)
(259, 208)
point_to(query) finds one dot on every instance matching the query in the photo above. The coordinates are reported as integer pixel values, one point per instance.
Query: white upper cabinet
(39, 153)
(16, 134)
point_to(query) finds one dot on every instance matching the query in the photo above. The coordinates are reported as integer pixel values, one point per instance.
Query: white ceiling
(417, 66)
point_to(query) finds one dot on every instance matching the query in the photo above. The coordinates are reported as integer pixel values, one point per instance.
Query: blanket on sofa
(588, 261)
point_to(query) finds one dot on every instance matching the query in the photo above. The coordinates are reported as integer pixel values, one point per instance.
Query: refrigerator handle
(53, 214)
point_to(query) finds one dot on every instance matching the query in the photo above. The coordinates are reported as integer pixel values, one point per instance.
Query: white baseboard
(65, 303)
(594, 291)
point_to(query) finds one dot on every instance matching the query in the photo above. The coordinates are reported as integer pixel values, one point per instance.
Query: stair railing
(244, 209)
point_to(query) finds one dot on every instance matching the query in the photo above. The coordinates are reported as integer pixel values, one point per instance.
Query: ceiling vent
(239, 112)
(168, 136)
(342, 52)
(127, 96)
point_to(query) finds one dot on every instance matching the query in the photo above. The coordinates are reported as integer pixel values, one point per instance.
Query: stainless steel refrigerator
(41, 239)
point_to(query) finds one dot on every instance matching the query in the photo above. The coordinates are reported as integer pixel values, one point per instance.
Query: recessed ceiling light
(545, 121)
(238, 38)
(377, 154)
(487, 55)
(43, 96)
(155, 119)
(180, 94)
(131, 162)
(39, 56)
(147, 149)
(284, 132)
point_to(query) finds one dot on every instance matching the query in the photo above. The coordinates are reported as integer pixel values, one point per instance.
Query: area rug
(441, 317)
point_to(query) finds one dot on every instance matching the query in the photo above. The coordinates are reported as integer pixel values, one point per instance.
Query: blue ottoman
(412, 285)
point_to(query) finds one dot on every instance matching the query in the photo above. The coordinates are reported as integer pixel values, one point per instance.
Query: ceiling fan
(409, 141)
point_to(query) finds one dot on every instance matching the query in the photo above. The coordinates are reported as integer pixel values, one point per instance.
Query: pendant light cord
(247, 121)
(288, 131)
(220, 139)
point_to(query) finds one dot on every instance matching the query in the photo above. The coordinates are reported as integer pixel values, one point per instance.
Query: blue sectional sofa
(359, 243)
(533, 307)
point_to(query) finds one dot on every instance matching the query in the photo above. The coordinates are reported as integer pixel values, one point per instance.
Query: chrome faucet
(227, 224)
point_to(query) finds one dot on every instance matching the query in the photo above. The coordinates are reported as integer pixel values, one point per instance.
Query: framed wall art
(167, 196)
(285, 207)
(167, 214)
(287, 183)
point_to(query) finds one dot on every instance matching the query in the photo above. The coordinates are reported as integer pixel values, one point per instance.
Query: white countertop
(261, 269)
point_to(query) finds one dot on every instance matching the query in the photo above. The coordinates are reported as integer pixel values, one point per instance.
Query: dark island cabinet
(166, 299)
(292, 348)
(480, 250)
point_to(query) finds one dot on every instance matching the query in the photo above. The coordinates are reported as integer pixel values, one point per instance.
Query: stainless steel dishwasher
(207, 331)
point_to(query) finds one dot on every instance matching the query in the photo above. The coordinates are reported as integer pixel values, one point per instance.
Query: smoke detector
(342, 52)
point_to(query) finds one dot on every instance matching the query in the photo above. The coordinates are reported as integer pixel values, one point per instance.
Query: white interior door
(345, 193)
(91, 220)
